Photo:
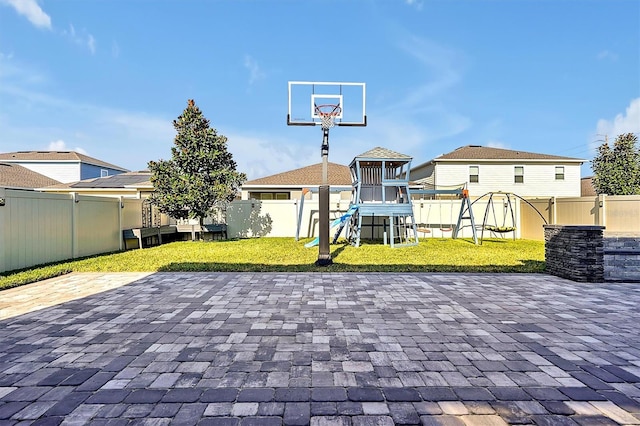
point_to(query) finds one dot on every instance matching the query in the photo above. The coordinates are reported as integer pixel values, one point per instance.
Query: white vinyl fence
(279, 218)
(37, 228)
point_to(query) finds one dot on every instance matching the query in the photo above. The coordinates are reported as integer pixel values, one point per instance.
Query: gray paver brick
(219, 395)
(372, 421)
(292, 394)
(329, 394)
(297, 413)
(331, 347)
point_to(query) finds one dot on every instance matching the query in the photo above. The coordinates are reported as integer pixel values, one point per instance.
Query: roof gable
(53, 156)
(16, 176)
(383, 154)
(338, 174)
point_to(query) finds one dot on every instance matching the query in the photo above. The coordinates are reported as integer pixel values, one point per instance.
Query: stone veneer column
(575, 252)
(622, 256)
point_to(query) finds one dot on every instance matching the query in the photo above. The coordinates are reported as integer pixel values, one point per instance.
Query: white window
(518, 174)
(104, 172)
(474, 174)
(559, 172)
(270, 195)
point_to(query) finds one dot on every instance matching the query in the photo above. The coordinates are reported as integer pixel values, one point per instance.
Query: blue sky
(108, 77)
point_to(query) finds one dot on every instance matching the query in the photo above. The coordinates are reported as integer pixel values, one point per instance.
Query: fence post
(74, 224)
(120, 209)
(3, 219)
(602, 217)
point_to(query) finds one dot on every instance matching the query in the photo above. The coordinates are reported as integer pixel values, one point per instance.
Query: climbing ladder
(466, 213)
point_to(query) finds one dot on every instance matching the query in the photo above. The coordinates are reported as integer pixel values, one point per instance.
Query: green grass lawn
(287, 255)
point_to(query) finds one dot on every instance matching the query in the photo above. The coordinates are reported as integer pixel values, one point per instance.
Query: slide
(342, 221)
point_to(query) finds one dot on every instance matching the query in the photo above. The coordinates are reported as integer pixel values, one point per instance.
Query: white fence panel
(36, 228)
(97, 225)
(279, 218)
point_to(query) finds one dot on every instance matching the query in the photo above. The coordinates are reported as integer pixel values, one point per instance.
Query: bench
(147, 235)
(216, 230)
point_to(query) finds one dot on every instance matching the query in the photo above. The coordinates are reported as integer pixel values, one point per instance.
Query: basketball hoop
(328, 114)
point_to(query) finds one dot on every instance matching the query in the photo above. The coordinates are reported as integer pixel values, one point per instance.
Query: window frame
(270, 195)
(518, 177)
(477, 174)
(559, 176)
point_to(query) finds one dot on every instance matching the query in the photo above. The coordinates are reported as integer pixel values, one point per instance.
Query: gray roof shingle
(55, 156)
(16, 176)
(476, 152)
(306, 176)
(383, 153)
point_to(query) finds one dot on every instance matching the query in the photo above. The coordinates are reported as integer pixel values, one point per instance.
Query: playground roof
(16, 176)
(383, 154)
(476, 152)
(338, 174)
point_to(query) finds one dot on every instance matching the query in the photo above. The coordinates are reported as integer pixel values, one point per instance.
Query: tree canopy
(617, 170)
(201, 173)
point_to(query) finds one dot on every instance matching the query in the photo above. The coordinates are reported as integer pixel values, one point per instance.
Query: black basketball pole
(324, 254)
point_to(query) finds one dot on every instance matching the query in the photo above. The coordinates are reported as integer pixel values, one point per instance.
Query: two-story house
(62, 166)
(486, 169)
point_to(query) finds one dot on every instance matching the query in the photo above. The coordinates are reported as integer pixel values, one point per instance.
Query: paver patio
(321, 349)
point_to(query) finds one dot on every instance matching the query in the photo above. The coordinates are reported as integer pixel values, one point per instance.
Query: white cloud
(82, 39)
(91, 44)
(607, 54)
(441, 65)
(60, 145)
(16, 73)
(419, 117)
(115, 50)
(255, 73)
(123, 137)
(415, 3)
(497, 144)
(629, 122)
(31, 10)
(251, 152)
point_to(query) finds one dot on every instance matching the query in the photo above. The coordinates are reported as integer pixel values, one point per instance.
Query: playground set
(382, 196)
(380, 178)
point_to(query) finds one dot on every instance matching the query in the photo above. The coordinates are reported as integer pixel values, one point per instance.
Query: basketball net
(328, 114)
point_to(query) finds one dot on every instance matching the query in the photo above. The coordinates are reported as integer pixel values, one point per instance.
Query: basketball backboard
(306, 96)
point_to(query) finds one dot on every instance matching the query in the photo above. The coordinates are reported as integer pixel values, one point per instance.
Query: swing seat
(499, 229)
(424, 230)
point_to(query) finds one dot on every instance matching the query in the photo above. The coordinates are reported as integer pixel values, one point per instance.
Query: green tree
(617, 171)
(201, 173)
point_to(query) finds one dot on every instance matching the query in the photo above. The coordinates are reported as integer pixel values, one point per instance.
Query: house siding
(64, 172)
(90, 171)
(539, 179)
(424, 172)
(296, 194)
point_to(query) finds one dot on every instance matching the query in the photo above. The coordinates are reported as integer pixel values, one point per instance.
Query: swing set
(455, 193)
(506, 222)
